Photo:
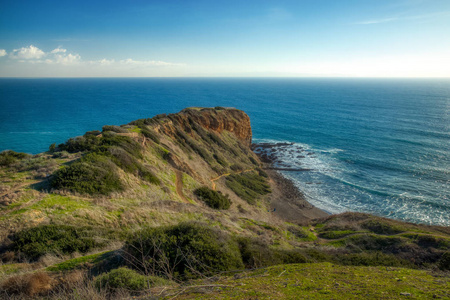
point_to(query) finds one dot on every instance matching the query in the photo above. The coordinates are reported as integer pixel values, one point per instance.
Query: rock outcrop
(216, 119)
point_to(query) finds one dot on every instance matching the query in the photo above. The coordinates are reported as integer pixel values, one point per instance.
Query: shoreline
(286, 199)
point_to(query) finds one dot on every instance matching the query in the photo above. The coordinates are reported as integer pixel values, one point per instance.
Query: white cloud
(59, 50)
(148, 63)
(32, 61)
(67, 59)
(30, 52)
(104, 62)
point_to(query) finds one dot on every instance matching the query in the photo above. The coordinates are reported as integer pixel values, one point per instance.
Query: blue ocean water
(373, 145)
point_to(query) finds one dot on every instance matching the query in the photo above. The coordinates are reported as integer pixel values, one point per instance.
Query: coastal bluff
(215, 119)
(179, 204)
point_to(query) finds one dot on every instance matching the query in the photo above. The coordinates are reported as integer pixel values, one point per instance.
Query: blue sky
(364, 38)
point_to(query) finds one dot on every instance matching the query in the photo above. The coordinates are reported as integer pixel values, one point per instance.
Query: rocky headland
(180, 205)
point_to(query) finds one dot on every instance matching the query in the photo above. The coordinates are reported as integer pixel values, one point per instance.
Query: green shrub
(61, 154)
(381, 227)
(252, 160)
(375, 242)
(220, 159)
(93, 174)
(212, 198)
(8, 157)
(36, 162)
(444, 262)
(426, 241)
(248, 186)
(256, 253)
(93, 132)
(184, 250)
(127, 162)
(262, 173)
(335, 234)
(150, 134)
(371, 259)
(218, 140)
(80, 144)
(114, 128)
(52, 148)
(148, 175)
(189, 142)
(236, 168)
(301, 233)
(56, 239)
(124, 278)
(124, 142)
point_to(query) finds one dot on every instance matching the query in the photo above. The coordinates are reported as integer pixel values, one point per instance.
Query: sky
(212, 38)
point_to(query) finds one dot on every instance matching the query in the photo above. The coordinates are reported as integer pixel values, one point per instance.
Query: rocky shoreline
(286, 200)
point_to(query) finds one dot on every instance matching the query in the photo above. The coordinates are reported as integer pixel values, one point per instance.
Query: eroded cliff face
(218, 120)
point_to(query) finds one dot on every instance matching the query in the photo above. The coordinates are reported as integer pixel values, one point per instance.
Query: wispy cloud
(403, 18)
(3, 52)
(369, 22)
(150, 63)
(58, 50)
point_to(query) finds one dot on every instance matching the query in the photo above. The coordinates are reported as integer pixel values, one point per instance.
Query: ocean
(380, 146)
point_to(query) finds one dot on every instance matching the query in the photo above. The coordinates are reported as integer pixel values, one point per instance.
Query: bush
(56, 239)
(256, 253)
(212, 198)
(248, 186)
(184, 250)
(381, 227)
(93, 174)
(148, 175)
(371, 259)
(52, 148)
(124, 278)
(93, 132)
(9, 157)
(150, 134)
(253, 161)
(61, 154)
(114, 128)
(124, 142)
(444, 262)
(335, 234)
(80, 144)
(34, 284)
(220, 159)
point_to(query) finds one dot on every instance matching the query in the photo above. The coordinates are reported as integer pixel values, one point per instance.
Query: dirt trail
(179, 185)
(213, 184)
(19, 186)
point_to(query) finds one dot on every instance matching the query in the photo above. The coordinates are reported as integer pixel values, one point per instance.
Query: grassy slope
(322, 281)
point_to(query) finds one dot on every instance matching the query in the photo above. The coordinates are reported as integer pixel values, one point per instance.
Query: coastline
(286, 199)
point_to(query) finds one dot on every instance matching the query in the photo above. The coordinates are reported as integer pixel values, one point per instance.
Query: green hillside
(178, 206)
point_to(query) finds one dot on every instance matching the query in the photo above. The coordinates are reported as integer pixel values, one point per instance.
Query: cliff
(217, 120)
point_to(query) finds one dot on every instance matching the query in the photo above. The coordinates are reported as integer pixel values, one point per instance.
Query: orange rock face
(218, 120)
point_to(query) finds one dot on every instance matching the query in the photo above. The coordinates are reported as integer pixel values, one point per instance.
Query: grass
(325, 281)
(57, 204)
(74, 263)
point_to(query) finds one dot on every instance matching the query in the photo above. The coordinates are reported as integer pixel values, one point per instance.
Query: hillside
(174, 198)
